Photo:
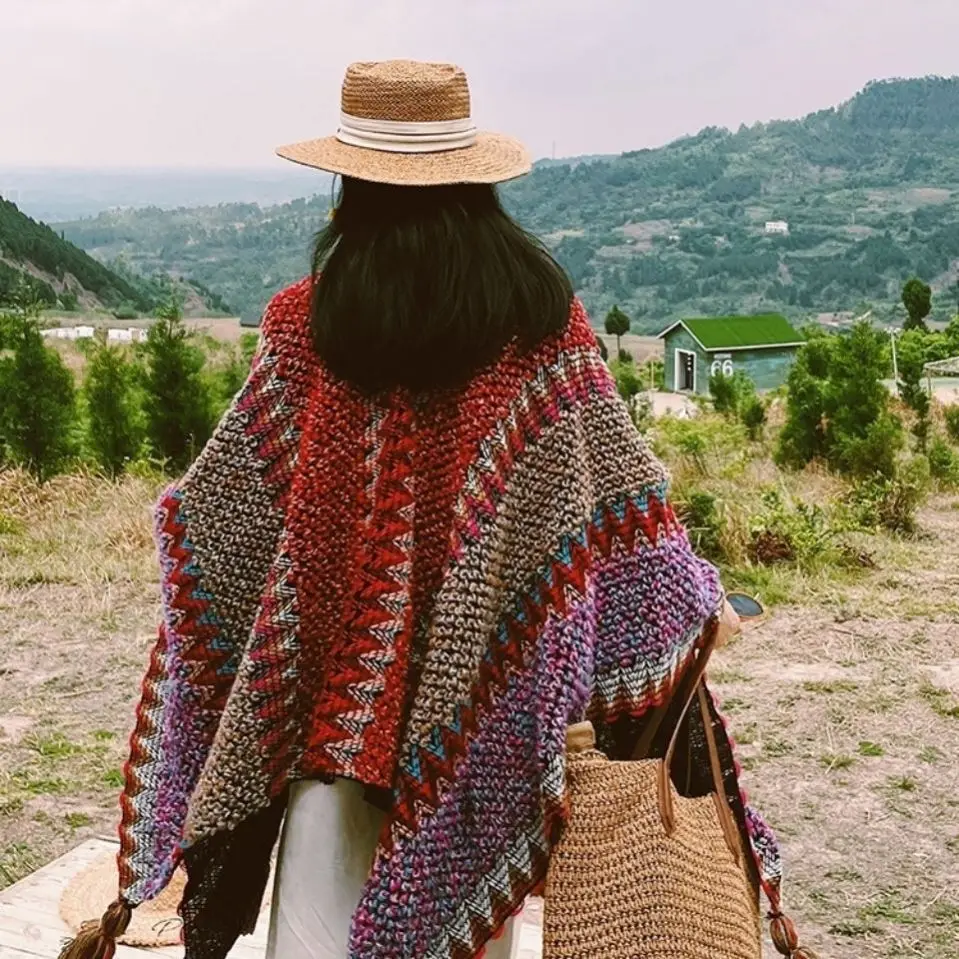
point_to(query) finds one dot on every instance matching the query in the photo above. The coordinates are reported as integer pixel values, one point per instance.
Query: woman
(424, 540)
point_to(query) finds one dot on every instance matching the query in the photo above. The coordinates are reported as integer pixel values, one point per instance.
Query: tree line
(155, 401)
(838, 409)
(23, 240)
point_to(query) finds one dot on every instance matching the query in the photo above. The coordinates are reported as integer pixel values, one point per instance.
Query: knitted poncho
(420, 593)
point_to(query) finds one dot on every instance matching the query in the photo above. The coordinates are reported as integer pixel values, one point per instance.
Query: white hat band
(394, 136)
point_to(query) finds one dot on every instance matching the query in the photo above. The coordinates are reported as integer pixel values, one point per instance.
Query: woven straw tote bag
(641, 872)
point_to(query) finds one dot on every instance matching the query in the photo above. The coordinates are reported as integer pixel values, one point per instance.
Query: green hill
(58, 274)
(54, 270)
(869, 189)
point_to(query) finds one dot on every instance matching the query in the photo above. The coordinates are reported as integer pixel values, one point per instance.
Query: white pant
(329, 838)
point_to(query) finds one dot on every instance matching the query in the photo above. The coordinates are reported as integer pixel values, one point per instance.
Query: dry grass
(77, 612)
(847, 715)
(845, 703)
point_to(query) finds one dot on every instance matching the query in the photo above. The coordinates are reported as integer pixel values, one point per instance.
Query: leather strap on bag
(784, 935)
(691, 688)
(684, 692)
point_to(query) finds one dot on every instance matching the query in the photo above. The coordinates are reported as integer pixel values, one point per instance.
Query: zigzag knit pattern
(419, 593)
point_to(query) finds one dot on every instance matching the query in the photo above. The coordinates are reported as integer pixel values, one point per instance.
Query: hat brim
(493, 158)
(154, 923)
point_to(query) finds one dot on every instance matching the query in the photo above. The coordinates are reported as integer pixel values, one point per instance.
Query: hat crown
(406, 91)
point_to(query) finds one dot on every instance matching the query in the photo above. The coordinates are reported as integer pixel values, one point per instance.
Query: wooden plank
(30, 923)
(11, 952)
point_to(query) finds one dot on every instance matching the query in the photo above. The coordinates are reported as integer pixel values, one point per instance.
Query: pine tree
(803, 436)
(37, 396)
(178, 405)
(862, 435)
(912, 355)
(115, 433)
(617, 324)
(917, 299)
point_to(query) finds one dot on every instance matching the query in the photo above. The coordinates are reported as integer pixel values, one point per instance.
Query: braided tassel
(99, 940)
(786, 938)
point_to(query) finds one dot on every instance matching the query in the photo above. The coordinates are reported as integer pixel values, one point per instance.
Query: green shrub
(753, 417)
(705, 445)
(803, 436)
(654, 372)
(891, 502)
(732, 395)
(943, 463)
(865, 452)
(628, 383)
(115, 432)
(789, 531)
(69, 301)
(700, 515)
(178, 405)
(725, 396)
(951, 415)
(838, 408)
(37, 397)
(125, 311)
(862, 436)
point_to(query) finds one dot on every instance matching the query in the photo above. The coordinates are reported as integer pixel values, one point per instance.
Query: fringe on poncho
(418, 593)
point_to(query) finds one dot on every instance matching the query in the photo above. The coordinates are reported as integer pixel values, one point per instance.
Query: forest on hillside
(870, 190)
(28, 247)
(39, 264)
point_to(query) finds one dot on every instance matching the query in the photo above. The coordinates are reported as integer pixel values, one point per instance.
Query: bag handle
(691, 688)
(684, 692)
(783, 930)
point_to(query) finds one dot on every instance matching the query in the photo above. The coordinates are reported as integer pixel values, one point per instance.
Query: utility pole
(895, 361)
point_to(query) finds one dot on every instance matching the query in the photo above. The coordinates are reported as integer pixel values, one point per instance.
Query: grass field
(846, 709)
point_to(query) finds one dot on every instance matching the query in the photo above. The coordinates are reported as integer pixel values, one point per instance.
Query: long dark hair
(421, 287)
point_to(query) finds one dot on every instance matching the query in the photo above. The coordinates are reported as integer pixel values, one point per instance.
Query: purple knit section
(646, 602)
(168, 772)
(500, 793)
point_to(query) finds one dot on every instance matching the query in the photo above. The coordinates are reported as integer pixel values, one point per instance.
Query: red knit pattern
(367, 567)
(205, 662)
(555, 588)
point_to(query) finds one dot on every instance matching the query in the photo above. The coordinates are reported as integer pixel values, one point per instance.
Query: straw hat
(409, 123)
(155, 922)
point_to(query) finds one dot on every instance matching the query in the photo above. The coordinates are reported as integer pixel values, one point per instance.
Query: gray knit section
(234, 545)
(588, 456)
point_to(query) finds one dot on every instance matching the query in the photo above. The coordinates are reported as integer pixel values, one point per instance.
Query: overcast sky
(209, 83)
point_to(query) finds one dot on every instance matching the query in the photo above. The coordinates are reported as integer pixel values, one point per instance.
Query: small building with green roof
(763, 347)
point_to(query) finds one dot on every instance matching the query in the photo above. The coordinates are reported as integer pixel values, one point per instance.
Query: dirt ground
(846, 712)
(847, 717)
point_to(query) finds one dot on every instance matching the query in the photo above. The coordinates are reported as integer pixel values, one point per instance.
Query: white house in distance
(131, 335)
(777, 228)
(70, 333)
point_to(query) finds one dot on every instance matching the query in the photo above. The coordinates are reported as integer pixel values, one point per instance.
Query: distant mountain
(869, 190)
(65, 194)
(54, 270)
(58, 274)
(241, 251)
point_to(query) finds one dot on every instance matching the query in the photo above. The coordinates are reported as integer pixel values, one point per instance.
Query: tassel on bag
(786, 938)
(99, 940)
